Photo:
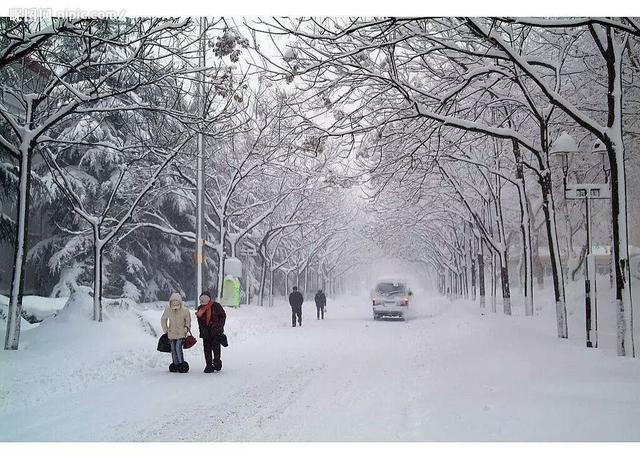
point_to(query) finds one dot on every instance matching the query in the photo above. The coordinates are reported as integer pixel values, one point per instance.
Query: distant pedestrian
(176, 324)
(296, 300)
(321, 303)
(211, 320)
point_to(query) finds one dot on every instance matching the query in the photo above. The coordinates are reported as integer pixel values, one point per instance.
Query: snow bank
(70, 352)
(39, 307)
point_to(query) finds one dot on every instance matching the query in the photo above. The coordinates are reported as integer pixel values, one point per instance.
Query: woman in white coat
(176, 324)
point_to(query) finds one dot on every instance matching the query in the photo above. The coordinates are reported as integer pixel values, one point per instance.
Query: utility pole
(200, 164)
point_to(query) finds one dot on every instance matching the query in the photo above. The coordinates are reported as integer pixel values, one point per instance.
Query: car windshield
(389, 288)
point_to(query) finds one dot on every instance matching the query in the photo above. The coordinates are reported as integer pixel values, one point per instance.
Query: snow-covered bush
(78, 306)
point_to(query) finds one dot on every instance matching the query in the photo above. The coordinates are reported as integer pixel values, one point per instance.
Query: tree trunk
(469, 259)
(538, 266)
(14, 312)
(506, 292)
(616, 153)
(493, 282)
(271, 274)
(472, 244)
(465, 272)
(504, 254)
(483, 302)
(554, 254)
(452, 283)
(97, 274)
(263, 279)
(447, 282)
(286, 283)
(473, 279)
(525, 232)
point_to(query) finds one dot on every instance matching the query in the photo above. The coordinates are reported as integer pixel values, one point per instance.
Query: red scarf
(205, 310)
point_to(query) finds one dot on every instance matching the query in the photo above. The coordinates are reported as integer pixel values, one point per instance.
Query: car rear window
(389, 288)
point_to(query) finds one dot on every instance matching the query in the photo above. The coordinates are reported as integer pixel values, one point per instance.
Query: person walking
(295, 301)
(321, 303)
(211, 320)
(176, 324)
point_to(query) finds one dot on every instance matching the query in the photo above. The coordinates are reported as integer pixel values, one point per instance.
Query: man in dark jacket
(211, 320)
(321, 303)
(295, 301)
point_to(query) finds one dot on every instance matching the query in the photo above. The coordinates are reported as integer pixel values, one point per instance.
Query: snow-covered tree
(104, 66)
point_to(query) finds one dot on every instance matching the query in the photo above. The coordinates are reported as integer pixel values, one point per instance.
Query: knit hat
(175, 297)
(213, 294)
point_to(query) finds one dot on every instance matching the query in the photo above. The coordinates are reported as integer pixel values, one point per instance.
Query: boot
(172, 368)
(183, 367)
(208, 369)
(217, 364)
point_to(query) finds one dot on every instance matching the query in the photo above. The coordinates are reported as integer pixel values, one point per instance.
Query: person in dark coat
(295, 301)
(321, 303)
(211, 320)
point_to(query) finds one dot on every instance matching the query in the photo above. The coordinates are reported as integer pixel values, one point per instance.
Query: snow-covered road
(446, 374)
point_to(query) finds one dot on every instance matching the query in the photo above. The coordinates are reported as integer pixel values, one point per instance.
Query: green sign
(231, 292)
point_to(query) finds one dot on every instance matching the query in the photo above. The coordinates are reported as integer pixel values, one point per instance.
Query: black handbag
(223, 340)
(163, 344)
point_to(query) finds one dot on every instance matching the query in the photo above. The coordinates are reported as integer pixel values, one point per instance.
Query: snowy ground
(449, 373)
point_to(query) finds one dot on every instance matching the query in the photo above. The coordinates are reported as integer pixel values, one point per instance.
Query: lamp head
(600, 149)
(563, 147)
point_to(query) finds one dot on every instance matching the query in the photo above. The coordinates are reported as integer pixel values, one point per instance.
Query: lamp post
(200, 94)
(566, 147)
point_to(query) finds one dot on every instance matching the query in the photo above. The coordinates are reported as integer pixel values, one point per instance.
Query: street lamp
(565, 147)
(599, 148)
